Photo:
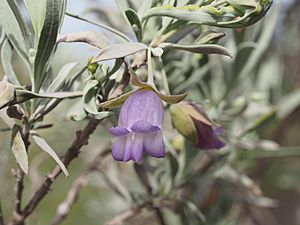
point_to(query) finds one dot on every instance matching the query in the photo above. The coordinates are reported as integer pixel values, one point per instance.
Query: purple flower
(193, 123)
(208, 137)
(139, 128)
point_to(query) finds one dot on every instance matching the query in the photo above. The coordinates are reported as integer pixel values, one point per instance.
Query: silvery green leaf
(76, 112)
(208, 37)
(145, 6)
(99, 40)
(12, 29)
(6, 119)
(22, 24)
(18, 148)
(62, 76)
(203, 15)
(47, 148)
(119, 51)
(47, 41)
(135, 23)
(7, 93)
(118, 63)
(89, 96)
(6, 57)
(231, 16)
(37, 11)
(198, 48)
(122, 5)
(24, 95)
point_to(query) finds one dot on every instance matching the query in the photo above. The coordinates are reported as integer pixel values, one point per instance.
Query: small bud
(158, 52)
(92, 67)
(195, 126)
(15, 112)
(7, 93)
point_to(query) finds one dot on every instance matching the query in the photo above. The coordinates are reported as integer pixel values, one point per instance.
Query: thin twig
(112, 30)
(73, 151)
(125, 216)
(19, 191)
(64, 208)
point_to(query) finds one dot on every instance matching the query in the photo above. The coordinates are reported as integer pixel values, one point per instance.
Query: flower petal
(144, 127)
(154, 145)
(118, 148)
(137, 147)
(118, 131)
(142, 105)
(207, 138)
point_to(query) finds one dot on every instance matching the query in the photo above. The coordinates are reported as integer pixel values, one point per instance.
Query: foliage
(181, 50)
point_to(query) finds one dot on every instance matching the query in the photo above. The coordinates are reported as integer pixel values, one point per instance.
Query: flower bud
(7, 92)
(15, 112)
(194, 125)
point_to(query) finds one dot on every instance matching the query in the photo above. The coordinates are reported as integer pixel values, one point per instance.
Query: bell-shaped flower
(139, 129)
(195, 126)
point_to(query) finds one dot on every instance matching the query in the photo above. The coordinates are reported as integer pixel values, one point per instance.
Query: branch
(73, 151)
(64, 208)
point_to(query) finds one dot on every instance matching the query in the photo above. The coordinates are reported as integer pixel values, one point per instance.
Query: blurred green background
(276, 68)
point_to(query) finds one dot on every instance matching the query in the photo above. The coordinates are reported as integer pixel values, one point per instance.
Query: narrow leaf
(6, 59)
(135, 23)
(12, 29)
(18, 148)
(45, 147)
(89, 97)
(22, 24)
(60, 79)
(47, 41)
(119, 51)
(203, 49)
(122, 5)
(113, 103)
(7, 93)
(23, 95)
(99, 40)
(37, 11)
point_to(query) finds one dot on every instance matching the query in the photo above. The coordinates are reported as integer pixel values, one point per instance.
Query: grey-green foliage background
(255, 96)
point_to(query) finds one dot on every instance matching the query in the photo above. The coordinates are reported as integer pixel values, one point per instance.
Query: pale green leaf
(47, 41)
(18, 148)
(62, 76)
(198, 48)
(46, 147)
(12, 29)
(7, 93)
(119, 51)
(135, 23)
(37, 11)
(6, 59)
